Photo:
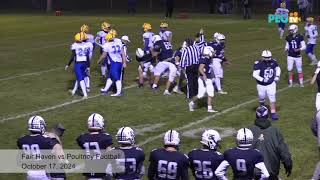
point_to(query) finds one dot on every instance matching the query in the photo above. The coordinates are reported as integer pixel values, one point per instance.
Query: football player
(95, 140)
(218, 44)
(125, 40)
(147, 36)
(37, 141)
(180, 72)
(85, 28)
(315, 78)
(242, 159)
(267, 72)
(294, 45)
(113, 48)
(100, 39)
(205, 85)
(162, 50)
(164, 33)
(168, 162)
(134, 156)
(204, 161)
(312, 34)
(80, 55)
(146, 62)
(282, 10)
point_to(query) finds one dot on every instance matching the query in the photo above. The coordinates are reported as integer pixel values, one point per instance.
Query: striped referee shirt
(190, 55)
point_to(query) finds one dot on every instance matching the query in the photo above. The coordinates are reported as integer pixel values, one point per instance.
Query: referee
(190, 63)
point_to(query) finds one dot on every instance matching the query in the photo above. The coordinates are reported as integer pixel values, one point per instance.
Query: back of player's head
(210, 139)
(95, 122)
(111, 35)
(125, 136)
(244, 138)
(171, 138)
(283, 5)
(139, 53)
(262, 112)
(164, 25)
(220, 38)
(105, 26)
(84, 28)
(36, 125)
(81, 36)
(146, 27)
(310, 20)
(208, 51)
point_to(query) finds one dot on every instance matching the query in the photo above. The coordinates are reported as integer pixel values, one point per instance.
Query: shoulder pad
(106, 134)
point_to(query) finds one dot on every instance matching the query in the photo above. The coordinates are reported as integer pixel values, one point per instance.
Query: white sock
(218, 83)
(76, 85)
(83, 88)
(108, 84)
(87, 81)
(154, 86)
(191, 103)
(281, 32)
(103, 70)
(209, 107)
(119, 86)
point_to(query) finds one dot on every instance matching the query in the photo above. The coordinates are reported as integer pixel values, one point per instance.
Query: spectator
(212, 6)
(132, 6)
(269, 141)
(246, 9)
(302, 6)
(169, 8)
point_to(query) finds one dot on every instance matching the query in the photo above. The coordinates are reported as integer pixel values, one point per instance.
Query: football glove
(277, 78)
(288, 168)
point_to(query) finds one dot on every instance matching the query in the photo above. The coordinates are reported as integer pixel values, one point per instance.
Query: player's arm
(221, 170)
(256, 72)
(184, 173)
(286, 49)
(285, 154)
(278, 73)
(152, 169)
(124, 57)
(72, 58)
(146, 43)
(263, 169)
(303, 46)
(201, 71)
(102, 57)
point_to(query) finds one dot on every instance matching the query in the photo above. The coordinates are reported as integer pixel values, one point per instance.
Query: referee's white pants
(318, 101)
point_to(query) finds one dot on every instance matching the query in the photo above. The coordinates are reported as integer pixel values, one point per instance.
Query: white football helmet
(210, 138)
(156, 38)
(215, 35)
(293, 29)
(244, 138)
(184, 44)
(125, 38)
(266, 54)
(208, 51)
(139, 53)
(220, 38)
(171, 137)
(125, 135)
(36, 124)
(95, 121)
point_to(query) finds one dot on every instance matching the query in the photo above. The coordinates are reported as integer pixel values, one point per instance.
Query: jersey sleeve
(259, 157)
(19, 143)
(79, 141)
(105, 47)
(256, 65)
(73, 47)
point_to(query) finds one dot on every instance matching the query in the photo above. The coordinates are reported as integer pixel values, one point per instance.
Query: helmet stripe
(93, 119)
(170, 135)
(121, 134)
(32, 121)
(245, 136)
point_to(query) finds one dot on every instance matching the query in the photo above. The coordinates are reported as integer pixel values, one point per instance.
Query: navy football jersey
(219, 49)
(203, 163)
(178, 53)
(207, 63)
(294, 42)
(35, 142)
(243, 162)
(97, 143)
(134, 157)
(267, 70)
(164, 49)
(166, 165)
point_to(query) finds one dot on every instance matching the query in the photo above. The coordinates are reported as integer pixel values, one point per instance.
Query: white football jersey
(89, 47)
(82, 50)
(148, 35)
(312, 32)
(165, 35)
(90, 38)
(282, 11)
(101, 35)
(114, 48)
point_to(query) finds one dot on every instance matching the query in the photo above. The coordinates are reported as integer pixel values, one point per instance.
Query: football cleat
(274, 116)
(212, 111)
(290, 85)
(88, 89)
(71, 92)
(177, 90)
(222, 92)
(191, 106)
(116, 95)
(166, 92)
(85, 97)
(301, 85)
(103, 91)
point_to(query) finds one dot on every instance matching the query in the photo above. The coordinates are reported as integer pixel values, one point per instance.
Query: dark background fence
(258, 6)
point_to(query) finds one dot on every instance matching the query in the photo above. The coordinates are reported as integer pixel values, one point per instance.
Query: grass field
(35, 48)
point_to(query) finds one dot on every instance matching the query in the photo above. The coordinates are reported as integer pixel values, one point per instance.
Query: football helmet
(81, 36)
(105, 26)
(310, 20)
(125, 38)
(155, 39)
(139, 53)
(146, 27)
(164, 25)
(266, 54)
(171, 137)
(208, 51)
(84, 28)
(220, 38)
(95, 121)
(111, 35)
(244, 138)
(283, 5)
(36, 124)
(215, 35)
(262, 112)
(210, 138)
(293, 29)
(125, 135)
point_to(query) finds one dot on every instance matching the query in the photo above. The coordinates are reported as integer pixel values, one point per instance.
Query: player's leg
(210, 93)
(271, 92)
(108, 84)
(81, 75)
(290, 61)
(158, 70)
(318, 101)
(201, 93)
(262, 92)
(116, 75)
(87, 79)
(172, 76)
(75, 88)
(298, 62)
(311, 55)
(151, 70)
(218, 73)
(104, 69)
(141, 78)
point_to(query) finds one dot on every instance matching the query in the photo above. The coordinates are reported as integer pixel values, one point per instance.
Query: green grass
(31, 43)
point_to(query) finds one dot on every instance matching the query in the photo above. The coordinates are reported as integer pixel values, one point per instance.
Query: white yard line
(30, 74)
(55, 106)
(208, 118)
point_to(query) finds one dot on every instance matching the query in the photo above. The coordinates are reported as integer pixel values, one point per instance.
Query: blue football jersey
(207, 63)
(267, 70)
(243, 162)
(164, 49)
(96, 143)
(168, 165)
(294, 42)
(203, 163)
(35, 142)
(133, 162)
(219, 49)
